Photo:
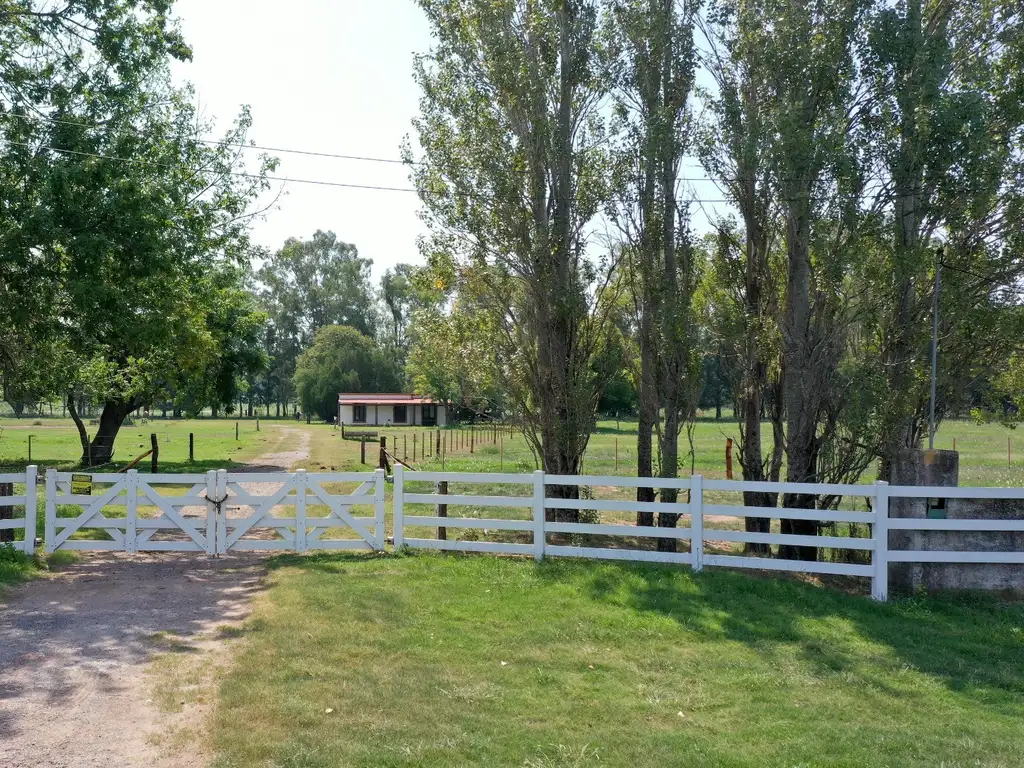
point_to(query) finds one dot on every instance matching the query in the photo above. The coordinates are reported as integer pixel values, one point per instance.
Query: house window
(359, 414)
(400, 415)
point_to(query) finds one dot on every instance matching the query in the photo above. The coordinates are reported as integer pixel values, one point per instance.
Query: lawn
(55, 443)
(433, 660)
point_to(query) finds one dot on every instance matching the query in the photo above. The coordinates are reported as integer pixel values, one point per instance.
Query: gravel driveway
(75, 650)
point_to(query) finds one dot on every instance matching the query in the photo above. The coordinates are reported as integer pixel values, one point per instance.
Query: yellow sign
(81, 485)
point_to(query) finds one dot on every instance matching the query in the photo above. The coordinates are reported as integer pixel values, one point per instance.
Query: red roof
(383, 399)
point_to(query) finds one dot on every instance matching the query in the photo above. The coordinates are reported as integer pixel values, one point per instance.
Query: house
(396, 410)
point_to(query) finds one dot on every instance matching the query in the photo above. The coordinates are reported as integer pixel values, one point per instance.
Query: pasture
(433, 660)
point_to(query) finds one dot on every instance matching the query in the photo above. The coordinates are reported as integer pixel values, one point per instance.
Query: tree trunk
(801, 381)
(100, 450)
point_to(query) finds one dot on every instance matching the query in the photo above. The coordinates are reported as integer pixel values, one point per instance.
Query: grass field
(443, 661)
(983, 448)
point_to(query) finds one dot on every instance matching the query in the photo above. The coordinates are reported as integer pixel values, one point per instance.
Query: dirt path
(78, 684)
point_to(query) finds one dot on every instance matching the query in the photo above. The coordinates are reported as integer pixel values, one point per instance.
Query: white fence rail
(27, 501)
(694, 515)
(218, 512)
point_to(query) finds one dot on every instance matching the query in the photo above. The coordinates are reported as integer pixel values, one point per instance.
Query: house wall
(382, 414)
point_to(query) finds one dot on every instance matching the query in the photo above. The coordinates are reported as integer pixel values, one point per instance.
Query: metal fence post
(29, 545)
(697, 523)
(538, 515)
(880, 554)
(50, 522)
(300, 510)
(398, 504)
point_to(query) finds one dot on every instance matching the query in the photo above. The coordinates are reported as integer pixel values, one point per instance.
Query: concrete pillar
(916, 468)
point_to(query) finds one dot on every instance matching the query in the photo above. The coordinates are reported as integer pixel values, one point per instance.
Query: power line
(375, 187)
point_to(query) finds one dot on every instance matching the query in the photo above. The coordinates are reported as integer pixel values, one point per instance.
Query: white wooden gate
(296, 512)
(183, 519)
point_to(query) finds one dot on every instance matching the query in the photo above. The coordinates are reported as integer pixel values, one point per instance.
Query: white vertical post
(211, 512)
(300, 511)
(697, 522)
(538, 515)
(132, 505)
(222, 513)
(50, 522)
(29, 545)
(880, 555)
(398, 505)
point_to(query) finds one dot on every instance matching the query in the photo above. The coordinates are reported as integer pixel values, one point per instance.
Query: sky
(331, 76)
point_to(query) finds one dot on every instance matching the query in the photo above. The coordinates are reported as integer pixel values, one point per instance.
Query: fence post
(538, 515)
(880, 554)
(222, 522)
(300, 510)
(132, 505)
(399, 507)
(437, 449)
(362, 450)
(236, 430)
(442, 510)
(211, 512)
(30, 449)
(697, 523)
(379, 498)
(191, 447)
(50, 521)
(154, 464)
(30, 510)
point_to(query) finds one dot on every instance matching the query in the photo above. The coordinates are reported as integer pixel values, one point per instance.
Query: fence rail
(27, 502)
(219, 511)
(693, 517)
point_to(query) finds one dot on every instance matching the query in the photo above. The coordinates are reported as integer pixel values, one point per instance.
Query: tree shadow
(973, 644)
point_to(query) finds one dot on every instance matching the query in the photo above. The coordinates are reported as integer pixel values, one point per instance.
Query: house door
(429, 415)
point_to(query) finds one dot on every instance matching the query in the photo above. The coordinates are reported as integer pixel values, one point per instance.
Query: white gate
(179, 513)
(278, 511)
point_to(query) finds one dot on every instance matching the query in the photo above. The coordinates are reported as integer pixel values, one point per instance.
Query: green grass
(55, 443)
(15, 566)
(459, 660)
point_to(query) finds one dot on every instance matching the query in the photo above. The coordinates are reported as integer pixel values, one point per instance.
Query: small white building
(390, 410)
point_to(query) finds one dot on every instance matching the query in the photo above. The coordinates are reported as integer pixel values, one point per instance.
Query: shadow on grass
(974, 644)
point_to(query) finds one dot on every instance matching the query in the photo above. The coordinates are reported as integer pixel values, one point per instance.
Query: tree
(130, 213)
(308, 285)
(341, 359)
(734, 147)
(511, 175)
(653, 74)
(946, 127)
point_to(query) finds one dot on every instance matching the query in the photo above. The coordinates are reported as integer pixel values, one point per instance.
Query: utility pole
(935, 344)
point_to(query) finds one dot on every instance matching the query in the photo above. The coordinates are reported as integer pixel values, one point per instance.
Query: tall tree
(734, 147)
(946, 127)
(513, 172)
(654, 74)
(308, 285)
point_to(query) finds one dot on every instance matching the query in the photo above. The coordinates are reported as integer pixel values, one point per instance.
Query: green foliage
(308, 285)
(341, 359)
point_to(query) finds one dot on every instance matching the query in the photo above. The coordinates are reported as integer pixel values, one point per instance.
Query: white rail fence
(27, 501)
(218, 512)
(694, 514)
